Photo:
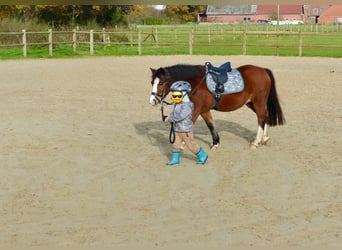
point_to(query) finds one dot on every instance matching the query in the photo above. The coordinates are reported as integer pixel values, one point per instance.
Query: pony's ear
(153, 70)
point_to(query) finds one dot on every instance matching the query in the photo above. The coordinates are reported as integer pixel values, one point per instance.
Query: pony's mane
(184, 71)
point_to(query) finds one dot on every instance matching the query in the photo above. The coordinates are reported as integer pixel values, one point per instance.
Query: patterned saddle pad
(234, 83)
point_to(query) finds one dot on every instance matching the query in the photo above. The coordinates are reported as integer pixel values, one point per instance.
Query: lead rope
(172, 135)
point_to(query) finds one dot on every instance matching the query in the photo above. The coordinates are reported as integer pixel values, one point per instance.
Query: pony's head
(161, 83)
(163, 78)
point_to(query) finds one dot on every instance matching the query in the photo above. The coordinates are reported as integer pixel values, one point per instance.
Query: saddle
(219, 75)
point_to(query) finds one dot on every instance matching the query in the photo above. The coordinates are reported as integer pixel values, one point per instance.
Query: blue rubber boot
(175, 158)
(201, 156)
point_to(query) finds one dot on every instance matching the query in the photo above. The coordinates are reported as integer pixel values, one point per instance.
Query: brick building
(252, 13)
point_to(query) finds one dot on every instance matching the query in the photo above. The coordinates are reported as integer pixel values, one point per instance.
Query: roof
(253, 9)
(283, 9)
(231, 9)
(331, 15)
(333, 11)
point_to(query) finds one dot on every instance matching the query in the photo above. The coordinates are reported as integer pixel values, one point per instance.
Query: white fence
(188, 39)
(25, 43)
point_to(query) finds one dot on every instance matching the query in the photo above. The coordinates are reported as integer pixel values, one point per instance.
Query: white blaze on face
(153, 100)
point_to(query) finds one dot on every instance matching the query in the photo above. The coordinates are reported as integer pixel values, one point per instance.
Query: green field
(214, 39)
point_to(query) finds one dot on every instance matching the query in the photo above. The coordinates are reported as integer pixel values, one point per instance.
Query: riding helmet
(181, 86)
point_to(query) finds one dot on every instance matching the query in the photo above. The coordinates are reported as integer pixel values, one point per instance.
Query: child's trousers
(188, 138)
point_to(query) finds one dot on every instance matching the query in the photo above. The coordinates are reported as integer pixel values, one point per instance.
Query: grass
(216, 39)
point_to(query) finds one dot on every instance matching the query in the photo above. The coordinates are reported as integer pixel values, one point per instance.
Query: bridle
(160, 98)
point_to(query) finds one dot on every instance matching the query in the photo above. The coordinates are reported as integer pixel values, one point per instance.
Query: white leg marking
(258, 137)
(265, 138)
(259, 134)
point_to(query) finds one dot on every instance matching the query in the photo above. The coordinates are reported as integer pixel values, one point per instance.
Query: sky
(159, 7)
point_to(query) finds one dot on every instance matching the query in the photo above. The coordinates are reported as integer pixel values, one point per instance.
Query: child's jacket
(181, 116)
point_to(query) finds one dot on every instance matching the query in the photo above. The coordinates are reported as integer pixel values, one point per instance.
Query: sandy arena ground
(83, 153)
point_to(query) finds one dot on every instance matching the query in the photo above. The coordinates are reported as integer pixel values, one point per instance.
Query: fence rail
(139, 39)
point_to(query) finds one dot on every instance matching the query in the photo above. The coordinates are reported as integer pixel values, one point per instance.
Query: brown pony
(259, 94)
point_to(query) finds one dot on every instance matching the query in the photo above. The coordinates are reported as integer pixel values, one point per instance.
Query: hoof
(253, 146)
(267, 141)
(214, 146)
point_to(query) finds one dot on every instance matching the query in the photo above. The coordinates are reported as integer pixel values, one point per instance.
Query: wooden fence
(139, 39)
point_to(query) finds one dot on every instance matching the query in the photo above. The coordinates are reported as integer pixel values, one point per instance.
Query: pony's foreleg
(207, 117)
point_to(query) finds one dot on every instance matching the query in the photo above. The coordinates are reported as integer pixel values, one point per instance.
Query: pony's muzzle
(153, 100)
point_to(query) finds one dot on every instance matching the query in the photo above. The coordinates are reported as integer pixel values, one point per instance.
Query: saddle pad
(234, 84)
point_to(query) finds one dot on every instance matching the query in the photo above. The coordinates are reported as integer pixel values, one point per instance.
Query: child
(181, 117)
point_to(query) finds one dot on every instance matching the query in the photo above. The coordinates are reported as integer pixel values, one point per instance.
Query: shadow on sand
(157, 132)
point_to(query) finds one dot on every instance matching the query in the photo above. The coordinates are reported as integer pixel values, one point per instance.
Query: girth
(217, 102)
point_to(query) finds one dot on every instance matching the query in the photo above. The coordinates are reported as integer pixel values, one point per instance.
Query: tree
(184, 13)
(7, 11)
(82, 14)
(109, 15)
(56, 15)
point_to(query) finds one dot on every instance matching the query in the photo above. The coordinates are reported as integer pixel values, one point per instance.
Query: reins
(172, 135)
(194, 90)
(172, 130)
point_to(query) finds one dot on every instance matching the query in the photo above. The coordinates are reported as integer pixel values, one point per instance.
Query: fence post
(190, 41)
(277, 45)
(300, 45)
(244, 43)
(139, 42)
(209, 37)
(156, 35)
(104, 35)
(74, 41)
(91, 42)
(24, 43)
(50, 42)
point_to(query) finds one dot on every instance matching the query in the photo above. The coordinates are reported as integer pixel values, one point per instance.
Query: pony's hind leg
(258, 139)
(262, 134)
(207, 117)
(261, 137)
(265, 137)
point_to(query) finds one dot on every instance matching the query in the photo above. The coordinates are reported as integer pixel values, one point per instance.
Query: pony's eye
(161, 83)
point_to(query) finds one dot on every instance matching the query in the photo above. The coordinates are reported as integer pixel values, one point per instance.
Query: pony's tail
(275, 111)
